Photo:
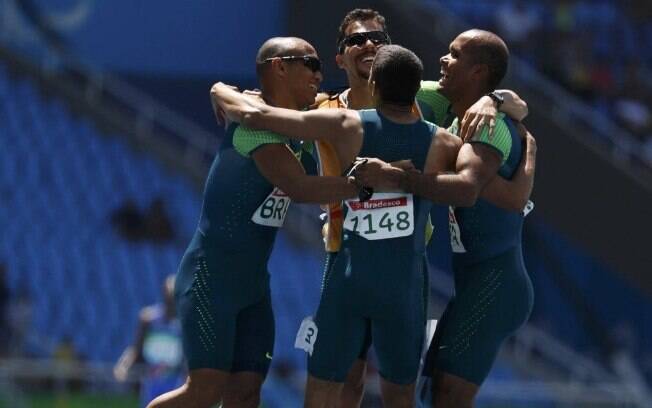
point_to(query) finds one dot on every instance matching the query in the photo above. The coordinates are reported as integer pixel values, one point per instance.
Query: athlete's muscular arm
(386, 176)
(484, 112)
(513, 106)
(279, 166)
(341, 127)
(513, 194)
(475, 166)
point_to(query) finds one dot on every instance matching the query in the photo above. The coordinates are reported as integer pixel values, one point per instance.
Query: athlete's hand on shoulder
(482, 113)
(220, 115)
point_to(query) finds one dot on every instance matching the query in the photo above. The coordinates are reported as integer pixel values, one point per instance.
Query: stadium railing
(178, 141)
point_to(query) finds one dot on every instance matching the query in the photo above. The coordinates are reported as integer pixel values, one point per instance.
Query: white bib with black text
(455, 233)
(272, 211)
(384, 216)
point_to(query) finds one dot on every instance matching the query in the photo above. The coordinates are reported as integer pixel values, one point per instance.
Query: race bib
(272, 211)
(528, 208)
(162, 349)
(306, 336)
(455, 233)
(385, 216)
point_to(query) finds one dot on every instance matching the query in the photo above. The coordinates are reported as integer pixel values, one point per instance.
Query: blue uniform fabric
(222, 286)
(377, 283)
(493, 293)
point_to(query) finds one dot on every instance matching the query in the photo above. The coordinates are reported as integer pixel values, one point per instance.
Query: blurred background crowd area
(106, 135)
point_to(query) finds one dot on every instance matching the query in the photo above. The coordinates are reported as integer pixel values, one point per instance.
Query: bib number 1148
(401, 223)
(387, 215)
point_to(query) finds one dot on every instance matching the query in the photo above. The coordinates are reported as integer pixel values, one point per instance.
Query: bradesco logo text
(278, 193)
(375, 204)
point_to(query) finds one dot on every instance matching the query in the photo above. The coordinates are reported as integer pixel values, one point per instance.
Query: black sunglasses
(360, 39)
(313, 63)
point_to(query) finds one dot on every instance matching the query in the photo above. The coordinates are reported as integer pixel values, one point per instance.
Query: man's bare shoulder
(446, 138)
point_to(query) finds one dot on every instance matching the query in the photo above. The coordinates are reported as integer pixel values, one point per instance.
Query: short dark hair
(490, 50)
(358, 15)
(397, 72)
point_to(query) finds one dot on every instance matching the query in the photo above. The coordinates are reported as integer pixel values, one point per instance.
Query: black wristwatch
(365, 193)
(496, 97)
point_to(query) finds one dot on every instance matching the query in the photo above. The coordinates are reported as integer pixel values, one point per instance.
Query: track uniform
(222, 286)
(493, 292)
(163, 356)
(377, 276)
(430, 105)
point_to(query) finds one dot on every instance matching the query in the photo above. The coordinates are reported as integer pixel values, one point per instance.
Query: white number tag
(528, 208)
(163, 348)
(306, 336)
(386, 215)
(272, 211)
(455, 233)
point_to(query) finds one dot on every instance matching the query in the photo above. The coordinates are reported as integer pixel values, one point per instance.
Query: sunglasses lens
(378, 37)
(313, 63)
(360, 39)
(357, 39)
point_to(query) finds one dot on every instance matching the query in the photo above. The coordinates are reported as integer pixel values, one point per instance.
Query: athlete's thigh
(493, 303)
(341, 329)
(254, 338)
(398, 340)
(207, 314)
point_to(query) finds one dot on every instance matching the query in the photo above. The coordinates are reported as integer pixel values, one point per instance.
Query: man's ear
(480, 71)
(279, 67)
(339, 61)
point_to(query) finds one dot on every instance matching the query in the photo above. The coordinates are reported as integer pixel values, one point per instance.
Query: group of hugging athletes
(388, 149)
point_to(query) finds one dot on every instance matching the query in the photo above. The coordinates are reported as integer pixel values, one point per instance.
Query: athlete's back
(377, 275)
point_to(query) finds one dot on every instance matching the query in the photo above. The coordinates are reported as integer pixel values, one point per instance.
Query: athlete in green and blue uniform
(222, 288)
(493, 293)
(223, 283)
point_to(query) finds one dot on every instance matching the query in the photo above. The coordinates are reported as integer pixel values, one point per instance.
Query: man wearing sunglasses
(222, 285)
(361, 33)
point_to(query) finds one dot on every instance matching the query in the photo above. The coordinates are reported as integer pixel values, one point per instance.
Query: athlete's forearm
(235, 105)
(449, 189)
(513, 106)
(321, 189)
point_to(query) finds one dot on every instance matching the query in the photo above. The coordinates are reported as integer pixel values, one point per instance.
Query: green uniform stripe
(501, 139)
(247, 140)
(429, 95)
